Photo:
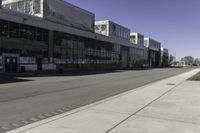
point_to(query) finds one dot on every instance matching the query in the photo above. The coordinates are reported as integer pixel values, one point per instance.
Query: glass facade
(1, 63)
(69, 51)
(84, 52)
(138, 57)
(154, 58)
(23, 39)
(118, 31)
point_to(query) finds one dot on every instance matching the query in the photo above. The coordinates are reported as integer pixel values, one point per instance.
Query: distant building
(164, 57)
(154, 51)
(179, 64)
(112, 29)
(138, 54)
(137, 38)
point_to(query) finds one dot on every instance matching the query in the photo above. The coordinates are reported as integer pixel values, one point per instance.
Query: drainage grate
(171, 84)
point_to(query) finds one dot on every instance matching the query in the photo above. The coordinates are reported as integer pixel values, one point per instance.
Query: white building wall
(102, 27)
(32, 7)
(111, 29)
(137, 38)
(152, 44)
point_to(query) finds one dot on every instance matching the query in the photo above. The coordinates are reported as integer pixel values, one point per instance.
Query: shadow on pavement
(6, 78)
(9, 78)
(16, 77)
(65, 73)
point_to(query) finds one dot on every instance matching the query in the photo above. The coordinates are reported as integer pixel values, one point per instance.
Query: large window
(4, 28)
(28, 40)
(15, 30)
(79, 50)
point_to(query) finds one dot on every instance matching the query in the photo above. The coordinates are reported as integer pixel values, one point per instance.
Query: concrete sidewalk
(168, 106)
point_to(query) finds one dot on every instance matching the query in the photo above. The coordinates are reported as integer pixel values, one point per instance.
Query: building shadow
(64, 73)
(10, 78)
(6, 78)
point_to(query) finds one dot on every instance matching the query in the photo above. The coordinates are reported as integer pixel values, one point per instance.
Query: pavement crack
(109, 130)
(165, 119)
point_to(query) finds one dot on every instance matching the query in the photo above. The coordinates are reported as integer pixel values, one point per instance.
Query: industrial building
(112, 29)
(137, 38)
(139, 53)
(154, 51)
(49, 35)
(164, 57)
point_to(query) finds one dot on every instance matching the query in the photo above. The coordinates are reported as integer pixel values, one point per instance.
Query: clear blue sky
(175, 23)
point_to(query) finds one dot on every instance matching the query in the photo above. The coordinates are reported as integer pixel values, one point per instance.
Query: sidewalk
(168, 106)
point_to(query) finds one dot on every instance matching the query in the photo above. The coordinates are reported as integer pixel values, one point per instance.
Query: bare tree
(197, 62)
(171, 60)
(189, 60)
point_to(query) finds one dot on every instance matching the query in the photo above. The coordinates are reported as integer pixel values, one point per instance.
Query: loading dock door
(11, 64)
(124, 59)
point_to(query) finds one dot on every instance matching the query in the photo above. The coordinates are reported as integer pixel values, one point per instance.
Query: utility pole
(175, 55)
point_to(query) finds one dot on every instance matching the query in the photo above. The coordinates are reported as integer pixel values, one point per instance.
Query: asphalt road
(37, 98)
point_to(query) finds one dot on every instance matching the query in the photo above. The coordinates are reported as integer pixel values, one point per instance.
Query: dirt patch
(195, 77)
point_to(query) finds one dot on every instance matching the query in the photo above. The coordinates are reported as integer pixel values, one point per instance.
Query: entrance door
(11, 64)
(39, 64)
(124, 59)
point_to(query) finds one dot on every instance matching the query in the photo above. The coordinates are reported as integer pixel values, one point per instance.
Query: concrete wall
(62, 12)
(164, 57)
(111, 29)
(39, 22)
(152, 44)
(32, 7)
(57, 11)
(102, 27)
(137, 38)
(118, 30)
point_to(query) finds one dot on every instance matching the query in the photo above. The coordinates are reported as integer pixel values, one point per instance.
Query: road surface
(37, 98)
